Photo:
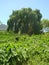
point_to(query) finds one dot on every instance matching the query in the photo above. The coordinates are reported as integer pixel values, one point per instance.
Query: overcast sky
(7, 6)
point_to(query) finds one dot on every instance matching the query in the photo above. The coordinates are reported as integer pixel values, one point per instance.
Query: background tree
(45, 23)
(0, 22)
(25, 20)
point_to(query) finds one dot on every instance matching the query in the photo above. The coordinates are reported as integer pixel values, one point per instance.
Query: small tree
(0, 22)
(45, 23)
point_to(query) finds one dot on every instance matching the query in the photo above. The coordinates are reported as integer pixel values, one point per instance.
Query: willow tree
(25, 20)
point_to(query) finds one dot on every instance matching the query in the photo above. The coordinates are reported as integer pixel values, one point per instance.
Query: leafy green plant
(28, 50)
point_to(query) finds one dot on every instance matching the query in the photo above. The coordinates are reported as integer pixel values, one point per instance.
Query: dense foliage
(25, 20)
(45, 23)
(23, 49)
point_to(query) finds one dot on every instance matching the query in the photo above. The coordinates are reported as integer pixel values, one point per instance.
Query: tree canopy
(25, 20)
(0, 22)
(45, 23)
